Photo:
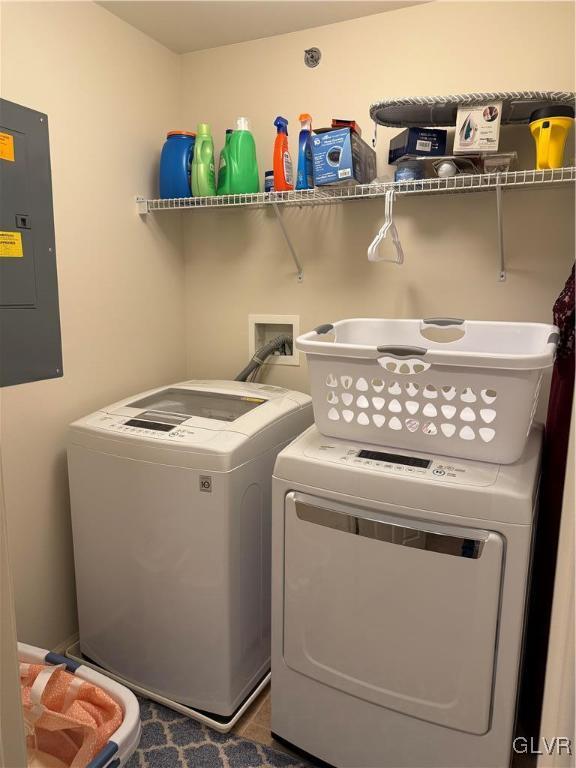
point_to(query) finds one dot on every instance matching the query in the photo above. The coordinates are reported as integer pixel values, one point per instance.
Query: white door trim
(12, 743)
(558, 713)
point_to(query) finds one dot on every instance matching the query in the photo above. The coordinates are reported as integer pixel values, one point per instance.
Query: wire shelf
(326, 195)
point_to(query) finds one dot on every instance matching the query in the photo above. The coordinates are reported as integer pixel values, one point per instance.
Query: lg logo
(206, 483)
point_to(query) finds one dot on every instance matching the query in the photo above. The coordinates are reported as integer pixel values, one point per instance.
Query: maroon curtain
(560, 404)
(551, 493)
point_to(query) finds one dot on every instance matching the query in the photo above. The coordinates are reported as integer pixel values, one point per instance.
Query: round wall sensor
(312, 57)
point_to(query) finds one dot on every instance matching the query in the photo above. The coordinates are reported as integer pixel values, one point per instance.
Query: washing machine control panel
(414, 466)
(149, 427)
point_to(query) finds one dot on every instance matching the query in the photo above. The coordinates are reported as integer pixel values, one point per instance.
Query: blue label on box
(332, 156)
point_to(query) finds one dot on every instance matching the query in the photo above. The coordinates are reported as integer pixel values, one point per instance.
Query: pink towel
(66, 717)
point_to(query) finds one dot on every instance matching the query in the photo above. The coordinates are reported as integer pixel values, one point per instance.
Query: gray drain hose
(280, 342)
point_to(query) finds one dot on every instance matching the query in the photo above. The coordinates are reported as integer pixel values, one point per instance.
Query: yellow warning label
(6, 147)
(11, 245)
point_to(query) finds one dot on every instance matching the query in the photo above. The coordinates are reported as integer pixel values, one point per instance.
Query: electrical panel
(30, 344)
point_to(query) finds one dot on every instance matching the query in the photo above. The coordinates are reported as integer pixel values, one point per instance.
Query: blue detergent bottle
(175, 162)
(305, 175)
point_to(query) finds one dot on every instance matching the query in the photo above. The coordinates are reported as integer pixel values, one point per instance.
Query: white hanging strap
(373, 247)
(397, 244)
(36, 691)
(72, 692)
(373, 254)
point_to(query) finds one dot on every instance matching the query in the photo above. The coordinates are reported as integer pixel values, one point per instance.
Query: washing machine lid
(183, 402)
(228, 419)
(223, 406)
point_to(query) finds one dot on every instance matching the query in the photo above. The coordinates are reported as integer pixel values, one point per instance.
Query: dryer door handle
(394, 533)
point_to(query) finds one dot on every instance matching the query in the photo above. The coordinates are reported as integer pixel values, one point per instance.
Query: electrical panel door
(30, 345)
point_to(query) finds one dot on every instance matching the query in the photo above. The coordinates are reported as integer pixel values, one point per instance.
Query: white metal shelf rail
(327, 195)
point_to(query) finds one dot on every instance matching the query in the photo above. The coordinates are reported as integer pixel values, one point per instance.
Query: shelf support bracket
(142, 205)
(300, 271)
(500, 231)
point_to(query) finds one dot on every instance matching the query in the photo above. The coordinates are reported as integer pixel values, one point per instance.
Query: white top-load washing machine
(399, 584)
(170, 495)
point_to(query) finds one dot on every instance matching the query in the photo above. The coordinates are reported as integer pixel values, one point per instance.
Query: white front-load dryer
(171, 516)
(399, 586)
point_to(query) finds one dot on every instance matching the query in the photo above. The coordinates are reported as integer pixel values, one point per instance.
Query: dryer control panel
(409, 465)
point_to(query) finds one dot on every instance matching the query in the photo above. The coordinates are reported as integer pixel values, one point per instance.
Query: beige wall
(110, 94)
(237, 262)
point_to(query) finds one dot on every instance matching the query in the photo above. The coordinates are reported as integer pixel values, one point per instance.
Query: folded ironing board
(429, 111)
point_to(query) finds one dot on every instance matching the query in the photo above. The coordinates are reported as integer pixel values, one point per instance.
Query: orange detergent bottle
(283, 176)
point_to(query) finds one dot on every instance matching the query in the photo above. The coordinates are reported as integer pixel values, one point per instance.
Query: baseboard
(61, 647)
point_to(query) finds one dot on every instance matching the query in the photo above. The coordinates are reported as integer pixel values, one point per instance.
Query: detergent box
(342, 156)
(423, 142)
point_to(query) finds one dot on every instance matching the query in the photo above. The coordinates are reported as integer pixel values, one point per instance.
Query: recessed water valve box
(264, 328)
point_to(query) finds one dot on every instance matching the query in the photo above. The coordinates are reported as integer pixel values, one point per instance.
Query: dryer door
(397, 611)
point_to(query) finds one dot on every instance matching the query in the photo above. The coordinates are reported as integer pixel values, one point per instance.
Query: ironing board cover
(428, 111)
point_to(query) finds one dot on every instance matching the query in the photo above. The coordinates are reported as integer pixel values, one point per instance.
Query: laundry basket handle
(402, 351)
(56, 658)
(443, 321)
(104, 756)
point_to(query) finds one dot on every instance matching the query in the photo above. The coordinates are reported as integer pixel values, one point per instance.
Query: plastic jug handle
(543, 157)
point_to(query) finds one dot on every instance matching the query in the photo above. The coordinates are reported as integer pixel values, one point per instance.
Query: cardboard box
(342, 156)
(478, 128)
(340, 122)
(421, 142)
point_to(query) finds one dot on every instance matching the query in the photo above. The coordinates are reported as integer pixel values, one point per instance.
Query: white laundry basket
(466, 389)
(124, 740)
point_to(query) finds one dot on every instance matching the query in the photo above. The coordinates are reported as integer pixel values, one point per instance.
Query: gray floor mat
(171, 740)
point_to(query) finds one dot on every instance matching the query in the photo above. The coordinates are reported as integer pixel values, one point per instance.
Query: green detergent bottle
(224, 166)
(203, 176)
(243, 168)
